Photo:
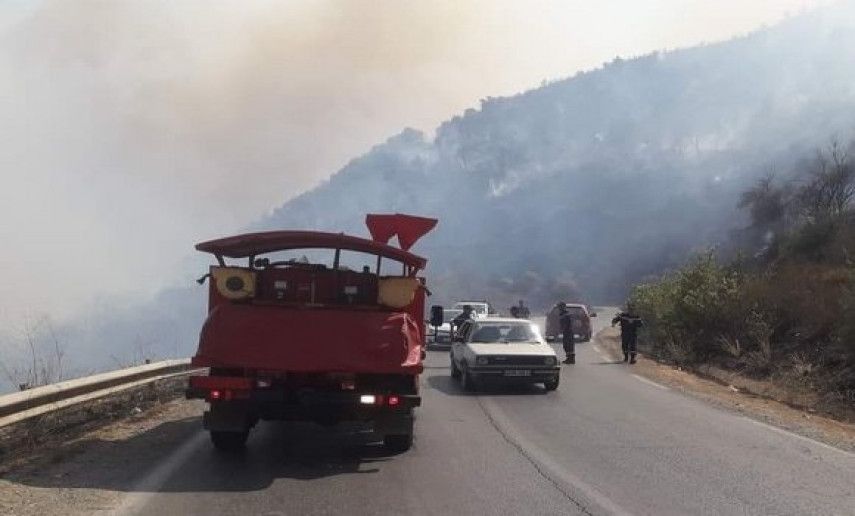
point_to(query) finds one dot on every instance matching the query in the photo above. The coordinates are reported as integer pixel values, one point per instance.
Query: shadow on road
(275, 451)
(438, 348)
(448, 385)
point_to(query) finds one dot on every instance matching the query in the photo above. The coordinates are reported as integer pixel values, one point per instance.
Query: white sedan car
(503, 350)
(479, 308)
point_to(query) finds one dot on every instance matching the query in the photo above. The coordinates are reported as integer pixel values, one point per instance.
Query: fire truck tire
(229, 441)
(398, 443)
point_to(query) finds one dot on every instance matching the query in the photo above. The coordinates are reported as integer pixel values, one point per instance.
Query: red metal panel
(408, 228)
(310, 340)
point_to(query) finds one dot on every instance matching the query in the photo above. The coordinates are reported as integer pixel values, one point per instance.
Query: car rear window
(504, 333)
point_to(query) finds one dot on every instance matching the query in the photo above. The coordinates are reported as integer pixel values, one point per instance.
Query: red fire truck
(305, 339)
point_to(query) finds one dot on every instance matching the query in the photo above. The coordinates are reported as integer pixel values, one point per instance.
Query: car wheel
(467, 381)
(455, 371)
(229, 441)
(551, 385)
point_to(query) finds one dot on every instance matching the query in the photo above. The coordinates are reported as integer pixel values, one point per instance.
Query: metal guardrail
(44, 397)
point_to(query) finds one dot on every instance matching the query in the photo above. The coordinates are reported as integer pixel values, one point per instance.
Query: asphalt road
(607, 442)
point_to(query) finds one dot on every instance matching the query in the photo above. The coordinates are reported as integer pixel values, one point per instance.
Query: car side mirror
(436, 315)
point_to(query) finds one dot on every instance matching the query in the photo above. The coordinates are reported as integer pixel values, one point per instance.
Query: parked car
(582, 328)
(480, 308)
(441, 335)
(503, 351)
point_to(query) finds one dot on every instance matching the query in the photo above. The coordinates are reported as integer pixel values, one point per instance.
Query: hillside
(591, 183)
(579, 188)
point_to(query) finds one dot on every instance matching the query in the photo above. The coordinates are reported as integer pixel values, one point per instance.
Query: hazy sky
(132, 130)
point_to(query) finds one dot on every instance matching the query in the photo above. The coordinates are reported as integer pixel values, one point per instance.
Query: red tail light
(393, 401)
(215, 394)
(221, 382)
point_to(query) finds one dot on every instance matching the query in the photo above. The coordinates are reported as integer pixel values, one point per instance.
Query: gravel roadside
(90, 473)
(763, 409)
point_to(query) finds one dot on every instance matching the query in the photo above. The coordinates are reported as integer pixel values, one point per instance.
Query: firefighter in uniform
(520, 311)
(565, 321)
(629, 322)
(466, 315)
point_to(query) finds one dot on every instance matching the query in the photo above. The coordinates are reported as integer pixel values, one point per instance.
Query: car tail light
(368, 399)
(215, 394)
(393, 401)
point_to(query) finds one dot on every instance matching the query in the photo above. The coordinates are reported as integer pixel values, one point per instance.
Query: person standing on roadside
(520, 311)
(466, 315)
(565, 322)
(629, 322)
(523, 310)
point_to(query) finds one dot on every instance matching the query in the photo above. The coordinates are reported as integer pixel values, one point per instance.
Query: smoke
(132, 130)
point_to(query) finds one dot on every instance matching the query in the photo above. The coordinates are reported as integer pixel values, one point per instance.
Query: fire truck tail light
(348, 385)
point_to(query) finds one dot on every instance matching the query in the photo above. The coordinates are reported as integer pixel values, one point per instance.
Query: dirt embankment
(49, 431)
(793, 410)
(92, 472)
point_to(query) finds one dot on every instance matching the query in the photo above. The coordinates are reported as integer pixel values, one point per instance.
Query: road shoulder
(92, 472)
(779, 416)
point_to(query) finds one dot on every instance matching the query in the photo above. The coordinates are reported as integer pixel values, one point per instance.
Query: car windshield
(573, 310)
(505, 333)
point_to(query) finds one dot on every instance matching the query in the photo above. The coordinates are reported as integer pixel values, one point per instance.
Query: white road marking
(798, 436)
(649, 382)
(149, 485)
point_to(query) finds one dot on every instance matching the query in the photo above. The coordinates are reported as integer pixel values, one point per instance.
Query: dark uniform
(460, 319)
(629, 325)
(520, 311)
(565, 322)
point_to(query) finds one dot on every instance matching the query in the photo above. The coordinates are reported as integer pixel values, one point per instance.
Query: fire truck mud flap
(394, 424)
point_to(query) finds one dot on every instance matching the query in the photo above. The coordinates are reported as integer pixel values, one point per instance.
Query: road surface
(607, 442)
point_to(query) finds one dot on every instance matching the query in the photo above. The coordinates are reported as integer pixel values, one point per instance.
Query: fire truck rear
(304, 339)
